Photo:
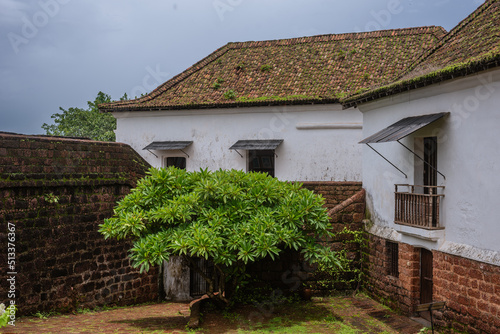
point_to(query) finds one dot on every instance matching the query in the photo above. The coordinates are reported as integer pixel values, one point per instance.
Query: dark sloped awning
(168, 145)
(257, 144)
(402, 128)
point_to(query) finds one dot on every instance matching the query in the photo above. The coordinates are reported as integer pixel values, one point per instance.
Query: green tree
(229, 217)
(78, 122)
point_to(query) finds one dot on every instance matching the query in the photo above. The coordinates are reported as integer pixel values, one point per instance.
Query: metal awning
(168, 145)
(403, 128)
(256, 144)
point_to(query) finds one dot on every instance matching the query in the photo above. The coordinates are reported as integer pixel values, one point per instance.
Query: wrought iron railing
(418, 206)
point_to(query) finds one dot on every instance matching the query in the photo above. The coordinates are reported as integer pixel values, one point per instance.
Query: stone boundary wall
(471, 289)
(333, 192)
(55, 192)
(289, 272)
(401, 292)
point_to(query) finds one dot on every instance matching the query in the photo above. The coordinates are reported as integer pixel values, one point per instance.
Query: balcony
(418, 206)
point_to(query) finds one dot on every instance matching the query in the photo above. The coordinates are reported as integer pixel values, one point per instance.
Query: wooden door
(430, 176)
(426, 282)
(430, 158)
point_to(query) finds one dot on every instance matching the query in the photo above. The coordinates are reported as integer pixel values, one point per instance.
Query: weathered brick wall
(470, 289)
(289, 272)
(346, 204)
(334, 192)
(56, 192)
(396, 292)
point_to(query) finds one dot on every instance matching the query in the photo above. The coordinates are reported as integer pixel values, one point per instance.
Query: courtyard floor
(341, 314)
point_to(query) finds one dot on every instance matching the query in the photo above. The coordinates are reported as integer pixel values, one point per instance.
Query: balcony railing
(418, 206)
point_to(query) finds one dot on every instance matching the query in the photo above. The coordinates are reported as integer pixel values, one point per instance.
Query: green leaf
(77, 122)
(230, 217)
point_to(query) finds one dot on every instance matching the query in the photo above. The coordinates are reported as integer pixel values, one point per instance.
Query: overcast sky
(61, 53)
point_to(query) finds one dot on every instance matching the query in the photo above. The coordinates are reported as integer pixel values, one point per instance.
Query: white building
(269, 106)
(429, 159)
(307, 143)
(435, 131)
(462, 144)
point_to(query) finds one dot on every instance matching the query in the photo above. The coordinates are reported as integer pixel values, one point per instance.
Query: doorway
(198, 286)
(426, 279)
(430, 158)
(430, 175)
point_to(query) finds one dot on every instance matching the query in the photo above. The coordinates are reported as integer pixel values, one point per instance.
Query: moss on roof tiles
(472, 46)
(318, 69)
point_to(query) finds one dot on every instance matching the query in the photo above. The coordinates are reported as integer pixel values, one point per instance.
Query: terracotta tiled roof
(472, 46)
(318, 69)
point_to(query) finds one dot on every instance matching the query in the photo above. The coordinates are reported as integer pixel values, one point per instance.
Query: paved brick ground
(156, 318)
(358, 311)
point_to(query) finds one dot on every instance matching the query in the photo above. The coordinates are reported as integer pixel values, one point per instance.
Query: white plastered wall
(468, 156)
(320, 141)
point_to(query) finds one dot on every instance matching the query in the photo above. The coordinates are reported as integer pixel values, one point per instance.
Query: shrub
(229, 217)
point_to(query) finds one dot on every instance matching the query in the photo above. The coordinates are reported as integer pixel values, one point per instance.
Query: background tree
(229, 217)
(90, 123)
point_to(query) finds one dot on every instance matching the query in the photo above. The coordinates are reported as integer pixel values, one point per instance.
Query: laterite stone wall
(471, 289)
(334, 192)
(289, 273)
(348, 216)
(401, 292)
(54, 192)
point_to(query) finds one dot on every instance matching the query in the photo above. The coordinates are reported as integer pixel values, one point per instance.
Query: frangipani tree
(229, 217)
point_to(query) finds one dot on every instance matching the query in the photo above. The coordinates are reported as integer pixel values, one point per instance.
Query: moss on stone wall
(56, 191)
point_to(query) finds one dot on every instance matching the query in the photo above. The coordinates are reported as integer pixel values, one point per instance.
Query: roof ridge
(479, 10)
(342, 36)
(437, 31)
(445, 38)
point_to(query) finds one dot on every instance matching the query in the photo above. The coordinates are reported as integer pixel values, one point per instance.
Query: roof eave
(438, 76)
(236, 104)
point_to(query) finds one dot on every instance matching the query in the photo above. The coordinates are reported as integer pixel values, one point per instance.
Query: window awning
(168, 145)
(257, 144)
(402, 128)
